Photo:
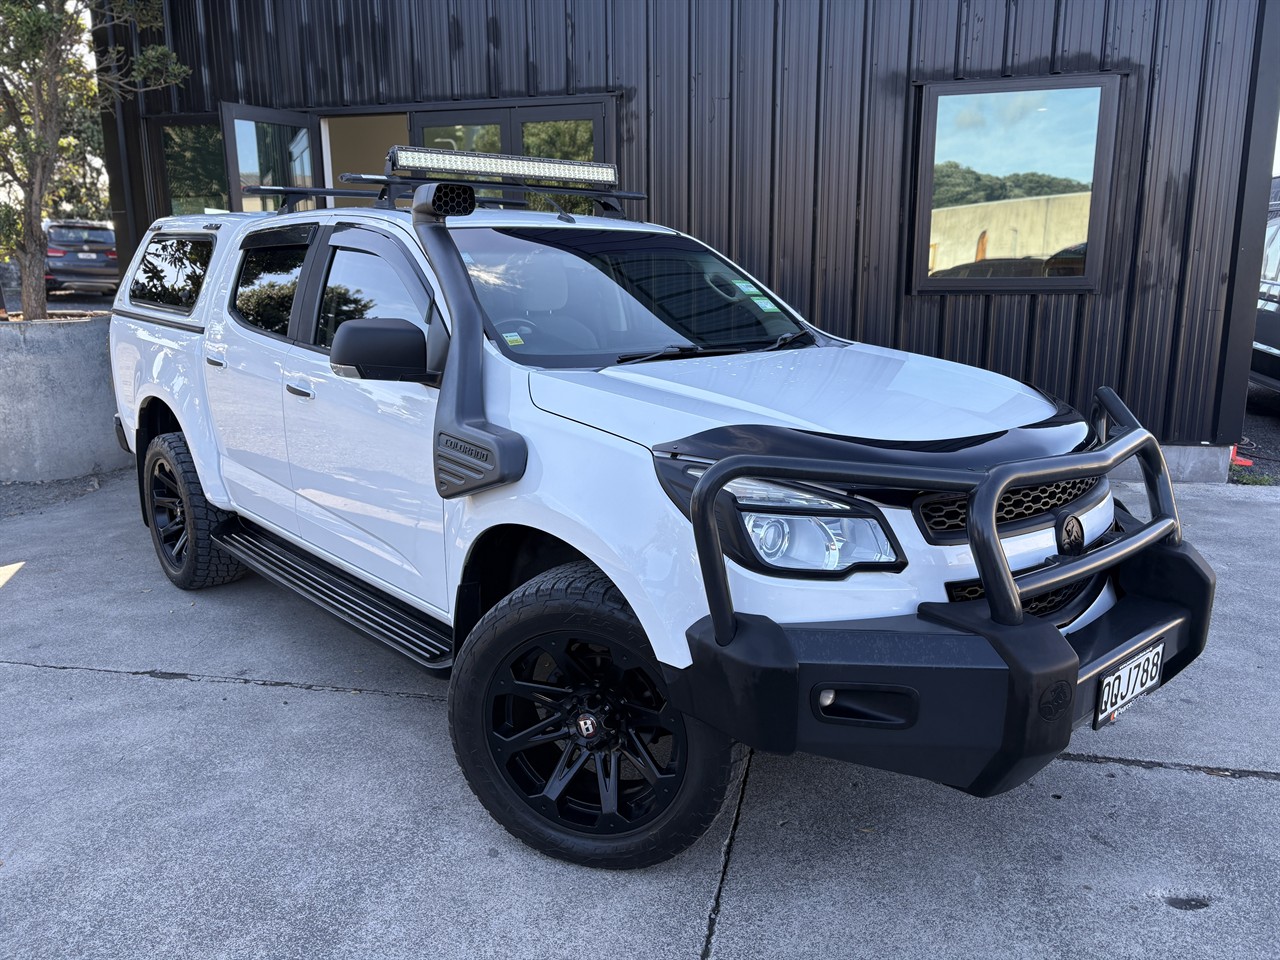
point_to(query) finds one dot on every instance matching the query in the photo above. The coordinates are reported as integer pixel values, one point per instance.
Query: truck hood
(849, 391)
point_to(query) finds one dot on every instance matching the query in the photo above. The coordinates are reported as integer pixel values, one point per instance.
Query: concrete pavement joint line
(714, 913)
(213, 678)
(1226, 773)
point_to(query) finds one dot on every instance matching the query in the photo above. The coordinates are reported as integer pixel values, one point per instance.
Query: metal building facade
(784, 133)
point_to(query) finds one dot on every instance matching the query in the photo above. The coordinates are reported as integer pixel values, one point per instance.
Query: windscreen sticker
(768, 306)
(467, 258)
(513, 339)
(747, 287)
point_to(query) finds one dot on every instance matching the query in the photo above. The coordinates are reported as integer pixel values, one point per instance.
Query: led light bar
(460, 163)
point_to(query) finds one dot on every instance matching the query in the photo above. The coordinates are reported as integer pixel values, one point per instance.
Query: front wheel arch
(501, 560)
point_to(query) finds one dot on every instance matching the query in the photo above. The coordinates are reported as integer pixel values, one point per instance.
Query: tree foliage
(50, 107)
(954, 185)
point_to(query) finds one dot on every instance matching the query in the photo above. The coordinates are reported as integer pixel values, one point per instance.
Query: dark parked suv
(1266, 336)
(82, 256)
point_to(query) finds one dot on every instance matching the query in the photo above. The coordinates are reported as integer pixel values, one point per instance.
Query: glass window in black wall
(1013, 183)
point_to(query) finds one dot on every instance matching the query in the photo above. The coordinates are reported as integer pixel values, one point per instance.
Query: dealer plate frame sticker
(1120, 689)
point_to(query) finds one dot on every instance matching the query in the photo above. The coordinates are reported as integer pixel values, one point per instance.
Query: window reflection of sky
(247, 148)
(1042, 131)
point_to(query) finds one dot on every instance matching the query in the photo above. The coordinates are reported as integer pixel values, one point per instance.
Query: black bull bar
(1003, 591)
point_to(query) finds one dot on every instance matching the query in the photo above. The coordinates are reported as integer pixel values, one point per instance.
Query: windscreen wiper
(674, 350)
(787, 339)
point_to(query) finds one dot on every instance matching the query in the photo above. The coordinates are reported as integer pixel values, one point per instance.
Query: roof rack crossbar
(291, 196)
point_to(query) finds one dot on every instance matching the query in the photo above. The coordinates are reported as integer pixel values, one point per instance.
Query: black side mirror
(374, 348)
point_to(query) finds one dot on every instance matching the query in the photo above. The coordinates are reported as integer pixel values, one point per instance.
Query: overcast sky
(1040, 131)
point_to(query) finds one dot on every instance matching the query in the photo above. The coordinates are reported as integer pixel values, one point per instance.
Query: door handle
(215, 362)
(298, 391)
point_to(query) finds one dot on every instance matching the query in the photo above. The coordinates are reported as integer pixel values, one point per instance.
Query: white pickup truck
(632, 505)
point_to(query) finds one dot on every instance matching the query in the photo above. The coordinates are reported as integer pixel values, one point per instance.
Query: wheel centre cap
(589, 726)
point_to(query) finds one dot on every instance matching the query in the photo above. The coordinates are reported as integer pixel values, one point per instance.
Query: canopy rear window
(171, 272)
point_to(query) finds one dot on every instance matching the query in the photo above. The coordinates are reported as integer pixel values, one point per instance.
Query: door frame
(231, 112)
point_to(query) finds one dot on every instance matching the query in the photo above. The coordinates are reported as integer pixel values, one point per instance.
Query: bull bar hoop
(1004, 592)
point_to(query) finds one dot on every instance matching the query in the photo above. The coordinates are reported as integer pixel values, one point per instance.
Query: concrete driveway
(233, 773)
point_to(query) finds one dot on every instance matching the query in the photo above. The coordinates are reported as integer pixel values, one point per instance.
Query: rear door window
(171, 272)
(267, 286)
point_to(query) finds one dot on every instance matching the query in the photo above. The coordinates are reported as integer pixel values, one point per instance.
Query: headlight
(814, 533)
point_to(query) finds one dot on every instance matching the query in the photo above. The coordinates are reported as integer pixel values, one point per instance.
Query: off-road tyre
(685, 767)
(182, 521)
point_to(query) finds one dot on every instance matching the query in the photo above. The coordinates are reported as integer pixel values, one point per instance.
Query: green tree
(50, 103)
(954, 185)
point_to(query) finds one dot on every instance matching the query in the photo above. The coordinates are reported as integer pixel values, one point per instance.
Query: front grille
(1041, 605)
(949, 515)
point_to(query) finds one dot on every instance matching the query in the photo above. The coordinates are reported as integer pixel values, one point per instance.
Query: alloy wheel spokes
(635, 750)
(546, 694)
(584, 733)
(566, 769)
(548, 730)
(169, 481)
(168, 514)
(607, 763)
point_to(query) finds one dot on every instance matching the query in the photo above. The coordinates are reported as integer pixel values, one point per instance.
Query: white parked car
(634, 506)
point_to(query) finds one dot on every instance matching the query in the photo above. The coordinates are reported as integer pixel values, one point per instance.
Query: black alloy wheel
(562, 724)
(583, 734)
(169, 516)
(182, 521)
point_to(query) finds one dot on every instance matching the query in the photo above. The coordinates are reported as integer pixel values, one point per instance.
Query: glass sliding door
(195, 168)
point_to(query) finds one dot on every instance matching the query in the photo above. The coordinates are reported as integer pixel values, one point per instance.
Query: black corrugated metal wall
(782, 132)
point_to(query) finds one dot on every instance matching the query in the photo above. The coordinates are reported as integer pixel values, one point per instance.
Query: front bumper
(977, 695)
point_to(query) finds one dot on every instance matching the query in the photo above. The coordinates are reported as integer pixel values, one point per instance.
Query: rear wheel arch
(155, 417)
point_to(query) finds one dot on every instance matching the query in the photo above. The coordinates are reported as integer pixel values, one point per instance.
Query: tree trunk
(31, 262)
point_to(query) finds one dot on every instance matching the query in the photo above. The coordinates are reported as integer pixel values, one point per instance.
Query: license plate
(87, 256)
(1122, 686)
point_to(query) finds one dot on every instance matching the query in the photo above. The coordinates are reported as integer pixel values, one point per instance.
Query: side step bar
(418, 636)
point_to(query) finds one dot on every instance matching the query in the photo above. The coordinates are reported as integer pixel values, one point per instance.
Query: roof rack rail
(292, 196)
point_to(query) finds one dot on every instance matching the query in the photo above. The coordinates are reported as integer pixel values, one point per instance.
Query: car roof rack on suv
(422, 165)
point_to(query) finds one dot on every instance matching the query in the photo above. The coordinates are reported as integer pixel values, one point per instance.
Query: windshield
(582, 297)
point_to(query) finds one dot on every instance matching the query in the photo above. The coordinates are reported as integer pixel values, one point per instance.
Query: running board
(423, 639)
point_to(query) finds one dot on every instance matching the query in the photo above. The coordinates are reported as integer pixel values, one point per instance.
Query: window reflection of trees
(267, 286)
(171, 272)
(267, 305)
(340, 304)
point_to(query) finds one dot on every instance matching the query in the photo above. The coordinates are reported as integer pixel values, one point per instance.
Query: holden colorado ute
(633, 506)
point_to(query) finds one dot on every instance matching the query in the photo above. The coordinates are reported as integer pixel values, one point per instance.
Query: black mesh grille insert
(949, 515)
(1041, 605)
(454, 200)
